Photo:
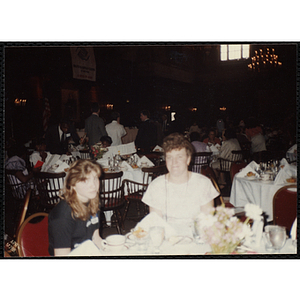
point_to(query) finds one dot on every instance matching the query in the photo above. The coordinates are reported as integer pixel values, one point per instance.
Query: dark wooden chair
(200, 159)
(85, 154)
(32, 238)
(235, 168)
(24, 210)
(246, 150)
(48, 186)
(111, 197)
(225, 164)
(134, 191)
(285, 206)
(18, 188)
(209, 172)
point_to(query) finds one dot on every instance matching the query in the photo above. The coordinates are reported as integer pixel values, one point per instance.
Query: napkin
(283, 162)
(103, 162)
(286, 172)
(145, 159)
(249, 168)
(61, 166)
(157, 148)
(136, 158)
(86, 248)
(153, 219)
(125, 165)
(65, 157)
(293, 232)
(214, 149)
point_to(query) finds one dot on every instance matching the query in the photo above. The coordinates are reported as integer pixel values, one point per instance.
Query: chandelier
(264, 59)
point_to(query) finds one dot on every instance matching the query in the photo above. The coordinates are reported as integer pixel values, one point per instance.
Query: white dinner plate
(250, 177)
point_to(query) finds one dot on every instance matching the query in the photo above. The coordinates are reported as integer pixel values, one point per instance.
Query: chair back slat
(48, 186)
(84, 154)
(17, 187)
(200, 159)
(150, 173)
(111, 190)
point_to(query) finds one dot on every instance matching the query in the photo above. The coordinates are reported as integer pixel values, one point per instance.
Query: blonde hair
(79, 171)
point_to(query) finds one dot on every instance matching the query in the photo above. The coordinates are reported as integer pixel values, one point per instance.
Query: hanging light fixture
(264, 59)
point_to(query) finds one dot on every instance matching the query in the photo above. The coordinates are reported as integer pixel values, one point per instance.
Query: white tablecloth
(88, 248)
(256, 191)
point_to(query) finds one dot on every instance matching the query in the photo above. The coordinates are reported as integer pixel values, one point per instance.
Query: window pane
(245, 51)
(223, 52)
(234, 51)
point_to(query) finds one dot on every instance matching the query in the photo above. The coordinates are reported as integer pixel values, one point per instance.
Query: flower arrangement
(98, 150)
(222, 230)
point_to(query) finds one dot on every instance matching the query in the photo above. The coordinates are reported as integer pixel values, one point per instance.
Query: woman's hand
(97, 240)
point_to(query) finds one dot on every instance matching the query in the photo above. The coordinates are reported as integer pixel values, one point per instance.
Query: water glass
(111, 164)
(276, 236)
(157, 235)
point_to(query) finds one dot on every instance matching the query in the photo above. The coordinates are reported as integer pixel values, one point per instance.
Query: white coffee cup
(265, 176)
(114, 243)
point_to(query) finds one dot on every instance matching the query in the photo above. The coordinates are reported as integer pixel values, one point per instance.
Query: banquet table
(88, 248)
(257, 191)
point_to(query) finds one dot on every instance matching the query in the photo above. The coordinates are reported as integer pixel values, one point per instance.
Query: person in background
(220, 126)
(212, 139)
(194, 128)
(16, 162)
(57, 138)
(199, 146)
(115, 130)
(75, 218)
(146, 138)
(180, 195)
(254, 133)
(230, 143)
(106, 141)
(94, 125)
(40, 153)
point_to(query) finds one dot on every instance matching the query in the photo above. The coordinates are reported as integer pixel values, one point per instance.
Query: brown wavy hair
(79, 171)
(177, 141)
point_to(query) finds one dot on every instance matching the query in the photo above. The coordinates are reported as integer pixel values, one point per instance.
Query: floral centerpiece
(222, 230)
(98, 150)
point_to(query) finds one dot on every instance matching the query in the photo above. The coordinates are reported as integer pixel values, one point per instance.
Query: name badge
(94, 220)
(68, 135)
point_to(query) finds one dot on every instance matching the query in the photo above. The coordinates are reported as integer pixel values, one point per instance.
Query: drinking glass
(277, 235)
(111, 164)
(157, 235)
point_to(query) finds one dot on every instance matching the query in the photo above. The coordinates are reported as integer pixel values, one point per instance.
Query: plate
(250, 177)
(180, 240)
(291, 182)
